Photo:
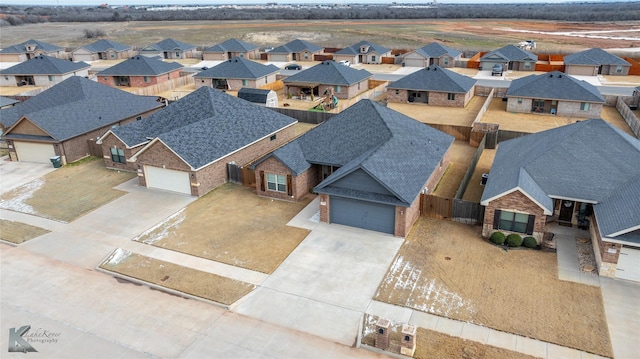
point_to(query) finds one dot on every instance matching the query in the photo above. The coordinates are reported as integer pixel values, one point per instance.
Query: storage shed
(266, 98)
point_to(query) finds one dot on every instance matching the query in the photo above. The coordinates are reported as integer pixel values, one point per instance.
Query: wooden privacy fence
(451, 209)
(241, 174)
(164, 86)
(312, 117)
(470, 169)
(635, 66)
(629, 116)
(462, 133)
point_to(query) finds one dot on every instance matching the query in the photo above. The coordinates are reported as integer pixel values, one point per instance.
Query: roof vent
(560, 76)
(550, 75)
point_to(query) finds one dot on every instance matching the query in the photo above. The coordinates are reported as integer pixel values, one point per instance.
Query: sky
(239, 2)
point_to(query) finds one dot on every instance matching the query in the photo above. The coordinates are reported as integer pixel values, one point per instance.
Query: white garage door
(34, 152)
(414, 62)
(629, 264)
(168, 180)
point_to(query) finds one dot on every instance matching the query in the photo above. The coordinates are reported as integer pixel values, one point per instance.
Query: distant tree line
(601, 11)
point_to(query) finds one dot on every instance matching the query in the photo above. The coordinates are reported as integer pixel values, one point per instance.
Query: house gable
(158, 154)
(24, 126)
(360, 180)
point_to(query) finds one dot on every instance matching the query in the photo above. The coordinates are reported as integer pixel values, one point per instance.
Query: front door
(566, 211)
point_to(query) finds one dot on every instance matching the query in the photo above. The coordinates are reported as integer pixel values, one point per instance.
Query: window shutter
(289, 189)
(262, 181)
(496, 219)
(530, 223)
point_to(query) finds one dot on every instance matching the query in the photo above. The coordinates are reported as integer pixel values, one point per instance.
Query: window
(244, 82)
(138, 118)
(117, 155)
(146, 79)
(513, 221)
(51, 78)
(177, 54)
(241, 55)
(527, 65)
(397, 92)
(276, 183)
(446, 61)
(337, 88)
(373, 58)
(306, 55)
(104, 79)
(619, 69)
(584, 106)
(451, 97)
(519, 100)
(358, 86)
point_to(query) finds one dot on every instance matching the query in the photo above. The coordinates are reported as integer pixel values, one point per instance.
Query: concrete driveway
(326, 283)
(15, 173)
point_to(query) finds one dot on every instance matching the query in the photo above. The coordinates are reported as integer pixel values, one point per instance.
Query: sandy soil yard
(234, 226)
(445, 268)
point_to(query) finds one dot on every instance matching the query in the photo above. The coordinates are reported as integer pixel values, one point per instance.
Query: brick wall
(567, 108)
(514, 202)
(397, 96)
(435, 98)
(514, 106)
(325, 207)
(607, 262)
(113, 141)
(301, 184)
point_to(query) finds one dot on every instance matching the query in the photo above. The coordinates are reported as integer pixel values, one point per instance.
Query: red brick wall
(515, 202)
(113, 141)
(324, 208)
(301, 184)
(138, 81)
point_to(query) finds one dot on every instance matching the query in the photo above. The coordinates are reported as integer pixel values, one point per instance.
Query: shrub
(530, 242)
(497, 238)
(514, 240)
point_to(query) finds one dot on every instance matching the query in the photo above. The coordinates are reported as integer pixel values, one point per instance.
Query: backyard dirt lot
(445, 268)
(68, 192)
(477, 35)
(232, 225)
(461, 155)
(439, 114)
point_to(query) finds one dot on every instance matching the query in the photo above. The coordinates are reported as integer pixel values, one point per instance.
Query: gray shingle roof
(355, 49)
(434, 78)
(76, 106)
(329, 73)
(435, 50)
(6, 101)
(554, 85)
(141, 66)
(104, 45)
(594, 57)
(238, 68)
(45, 65)
(232, 45)
(296, 46)
(205, 126)
(21, 47)
(254, 95)
(169, 45)
(510, 53)
(397, 151)
(588, 161)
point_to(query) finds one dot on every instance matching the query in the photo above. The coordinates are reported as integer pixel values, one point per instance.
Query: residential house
(63, 119)
(583, 174)
(102, 50)
(170, 49)
(296, 50)
(187, 146)
(42, 71)
(237, 73)
(510, 57)
(231, 48)
(266, 98)
(432, 54)
(554, 93)
(328, 77)
(139, 71)
(595, 62)
(29, 49)
(433, 85)
(369, 164)
(364, 52)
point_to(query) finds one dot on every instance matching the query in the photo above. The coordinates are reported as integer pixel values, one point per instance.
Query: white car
(345, 63)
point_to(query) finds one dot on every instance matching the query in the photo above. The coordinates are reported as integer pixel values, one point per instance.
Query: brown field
(461, 155)
(16, 232)
(447, 269)
(473, 35)
(234, 226)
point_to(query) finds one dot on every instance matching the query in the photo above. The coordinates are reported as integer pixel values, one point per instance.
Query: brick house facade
(139, 81)
(562, 108)
(212, 175)
(445, 99)
(516, 202)
(235, 84)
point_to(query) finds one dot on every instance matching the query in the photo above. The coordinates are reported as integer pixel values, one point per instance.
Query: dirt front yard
(173, 276)
(232, 225)
(69, 192)
(16, 232)
(445, 268)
